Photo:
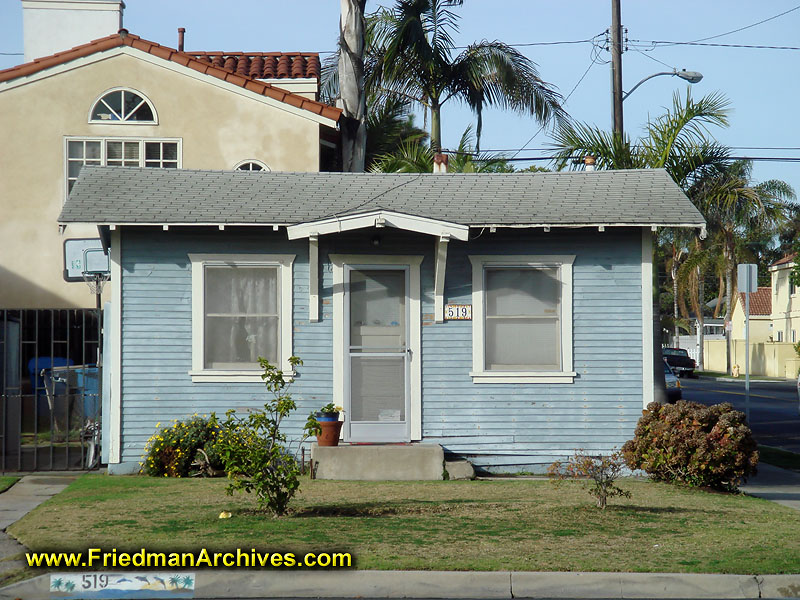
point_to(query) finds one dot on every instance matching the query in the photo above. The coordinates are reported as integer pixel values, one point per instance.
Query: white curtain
(242, 323)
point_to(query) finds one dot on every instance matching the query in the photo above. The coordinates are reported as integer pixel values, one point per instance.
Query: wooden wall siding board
(499, 426)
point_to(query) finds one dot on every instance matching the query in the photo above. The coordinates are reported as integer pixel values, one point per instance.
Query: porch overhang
(379, 218)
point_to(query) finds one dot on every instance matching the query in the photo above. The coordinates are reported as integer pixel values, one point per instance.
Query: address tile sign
(458, 312)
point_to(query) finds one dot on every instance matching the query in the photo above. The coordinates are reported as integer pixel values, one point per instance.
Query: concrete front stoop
(386, 462)
(459, 469)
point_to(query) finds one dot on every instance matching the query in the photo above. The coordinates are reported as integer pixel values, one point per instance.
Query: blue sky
(761, 84)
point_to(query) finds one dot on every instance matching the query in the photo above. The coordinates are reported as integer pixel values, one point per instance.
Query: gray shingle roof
(121, 195)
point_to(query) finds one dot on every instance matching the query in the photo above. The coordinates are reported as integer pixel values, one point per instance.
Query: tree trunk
(701, 287)
(436, 126)
(351, 85)
(720, 296)
(674, 273)
(729, 273)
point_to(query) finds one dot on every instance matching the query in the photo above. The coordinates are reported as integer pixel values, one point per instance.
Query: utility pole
(616, 65)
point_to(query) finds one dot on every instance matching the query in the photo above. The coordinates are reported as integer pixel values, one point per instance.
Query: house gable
(98, 49)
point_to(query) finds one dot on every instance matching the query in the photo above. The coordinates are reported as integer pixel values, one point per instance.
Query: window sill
(523, 376)
(233, 376)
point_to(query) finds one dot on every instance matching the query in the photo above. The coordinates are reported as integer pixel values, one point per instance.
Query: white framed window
(794, 336)
(121, 152)
(780, 336)
(251, 164)
(123, 105)
(241, 310)
(522, 319)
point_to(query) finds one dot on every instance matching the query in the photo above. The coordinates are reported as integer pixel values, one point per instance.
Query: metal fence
(49, 389)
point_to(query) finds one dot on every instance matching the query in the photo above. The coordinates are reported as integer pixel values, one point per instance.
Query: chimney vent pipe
(439, 163)
(181, 31)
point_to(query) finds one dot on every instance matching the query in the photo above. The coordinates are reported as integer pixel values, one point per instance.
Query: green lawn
(779, 457)
(510, 524)
(6, 481)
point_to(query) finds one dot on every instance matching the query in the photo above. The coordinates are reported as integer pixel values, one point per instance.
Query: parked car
(679, 360)
(674, 392)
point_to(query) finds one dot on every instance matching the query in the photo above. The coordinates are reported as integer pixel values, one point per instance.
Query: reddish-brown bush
(696, 444)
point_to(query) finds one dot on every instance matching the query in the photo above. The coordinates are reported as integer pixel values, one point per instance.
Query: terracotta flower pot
(330, 433)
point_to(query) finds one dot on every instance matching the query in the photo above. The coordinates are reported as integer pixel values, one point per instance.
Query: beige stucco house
(760, 316)
(122, 100)
(774, 327)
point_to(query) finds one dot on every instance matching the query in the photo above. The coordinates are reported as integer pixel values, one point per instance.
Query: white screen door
(376, 305)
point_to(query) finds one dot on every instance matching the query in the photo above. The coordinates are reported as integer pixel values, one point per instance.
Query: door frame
(341, 350)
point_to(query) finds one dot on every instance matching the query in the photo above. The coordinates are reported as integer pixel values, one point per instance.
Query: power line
(655, 43)
(748, 26)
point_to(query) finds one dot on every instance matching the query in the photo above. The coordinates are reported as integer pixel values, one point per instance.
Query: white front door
(376, 309)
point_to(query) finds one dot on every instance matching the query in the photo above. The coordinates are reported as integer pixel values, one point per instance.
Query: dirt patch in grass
(463, 525)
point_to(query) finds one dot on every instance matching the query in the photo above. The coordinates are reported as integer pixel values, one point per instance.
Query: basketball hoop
(95, 280)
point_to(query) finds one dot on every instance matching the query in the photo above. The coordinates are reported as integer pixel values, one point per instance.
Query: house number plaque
(458, 312)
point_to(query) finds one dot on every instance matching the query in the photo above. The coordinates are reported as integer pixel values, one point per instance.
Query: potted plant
(329, 424)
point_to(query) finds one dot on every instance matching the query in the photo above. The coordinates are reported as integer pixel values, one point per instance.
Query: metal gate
(49, 389)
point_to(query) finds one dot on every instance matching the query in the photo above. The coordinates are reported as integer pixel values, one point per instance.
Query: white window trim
(126, 123)
(104, 139)
(260, 163)
(285, 262)
(564, 263)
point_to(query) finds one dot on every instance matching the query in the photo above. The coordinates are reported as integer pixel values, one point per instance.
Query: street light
(690, 76)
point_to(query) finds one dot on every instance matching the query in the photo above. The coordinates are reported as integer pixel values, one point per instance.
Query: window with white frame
(522, 319)
(121, 152)
(241, 311)
(251, 165)
(123, 106)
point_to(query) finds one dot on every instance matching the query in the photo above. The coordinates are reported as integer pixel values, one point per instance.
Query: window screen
(523, 322)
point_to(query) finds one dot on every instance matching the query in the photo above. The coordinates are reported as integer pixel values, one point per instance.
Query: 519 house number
(458, 312)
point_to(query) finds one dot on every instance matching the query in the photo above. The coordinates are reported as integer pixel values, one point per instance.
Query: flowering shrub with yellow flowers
(255, 451)
(171, 450)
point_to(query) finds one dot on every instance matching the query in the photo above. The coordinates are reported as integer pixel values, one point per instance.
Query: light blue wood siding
(497, 426)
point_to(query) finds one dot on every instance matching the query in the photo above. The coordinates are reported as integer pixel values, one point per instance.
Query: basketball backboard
(84, 255)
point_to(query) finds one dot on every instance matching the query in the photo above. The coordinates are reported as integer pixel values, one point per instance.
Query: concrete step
(459, 469)
(379, 462)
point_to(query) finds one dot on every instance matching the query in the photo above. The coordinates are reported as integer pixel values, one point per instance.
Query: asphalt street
(774, 407)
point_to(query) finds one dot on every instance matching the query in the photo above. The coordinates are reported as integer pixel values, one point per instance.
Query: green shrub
(254, 450)
(695, 444)
(170, 451)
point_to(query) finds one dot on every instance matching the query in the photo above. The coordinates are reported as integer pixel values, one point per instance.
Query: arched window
(251, 165)
(122, 106)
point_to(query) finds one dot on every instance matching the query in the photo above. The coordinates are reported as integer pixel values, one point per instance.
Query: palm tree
(413, 156)
(677, 141)
(412, 56)
(351, 75)
(734, 207)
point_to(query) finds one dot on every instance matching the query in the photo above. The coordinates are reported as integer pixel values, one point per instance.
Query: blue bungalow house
(505, 317)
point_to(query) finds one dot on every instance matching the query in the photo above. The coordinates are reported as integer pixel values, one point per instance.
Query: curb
(212, 583)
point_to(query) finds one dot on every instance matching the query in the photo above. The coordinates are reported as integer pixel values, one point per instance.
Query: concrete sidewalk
(776, 484)
(451, 584)
(16, 502)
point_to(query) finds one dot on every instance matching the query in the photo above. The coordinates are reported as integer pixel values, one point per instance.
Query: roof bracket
(601, 228)
(222, 227)
(703, 232)
(547, 229)
(380, 222)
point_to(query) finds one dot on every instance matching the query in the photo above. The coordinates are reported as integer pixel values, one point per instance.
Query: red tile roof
(265, 65)
(789, 258)
(760, 301)
(123, 38)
